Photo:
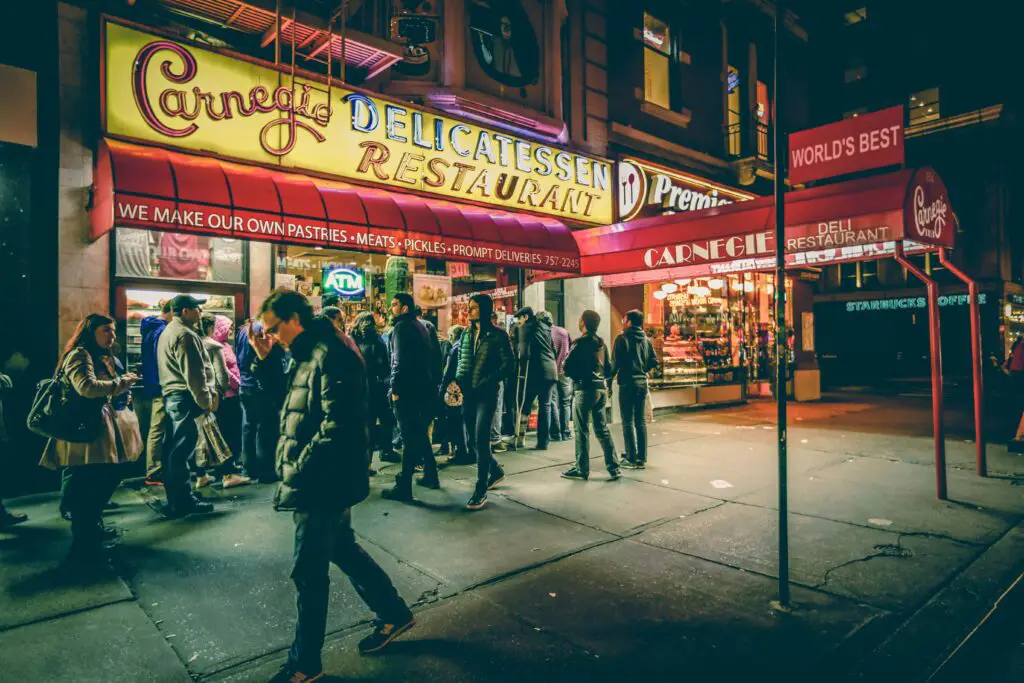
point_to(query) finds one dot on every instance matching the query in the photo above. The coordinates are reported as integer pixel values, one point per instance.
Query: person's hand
(130, 378)
(394, 397)
(261, 343)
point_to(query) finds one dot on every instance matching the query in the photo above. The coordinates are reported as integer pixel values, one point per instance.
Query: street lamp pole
(781, 347)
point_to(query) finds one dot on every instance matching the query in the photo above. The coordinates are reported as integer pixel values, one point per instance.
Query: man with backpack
(633, 356)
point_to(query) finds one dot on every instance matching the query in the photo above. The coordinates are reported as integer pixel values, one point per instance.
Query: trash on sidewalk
(721, 484)
(878, 521)
(553, 594)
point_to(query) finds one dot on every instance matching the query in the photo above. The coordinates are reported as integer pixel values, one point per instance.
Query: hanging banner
(856, 144)
(171, 93)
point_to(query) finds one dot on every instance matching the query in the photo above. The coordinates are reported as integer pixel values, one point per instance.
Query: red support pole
(935, 341)
(976, 362)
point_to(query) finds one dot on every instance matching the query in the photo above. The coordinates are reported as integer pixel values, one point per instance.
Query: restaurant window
(657, 53)
(924, 106)
(179, 256)
(855, 16)
(733, 116)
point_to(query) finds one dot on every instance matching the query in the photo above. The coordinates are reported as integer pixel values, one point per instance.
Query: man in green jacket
(323, 456)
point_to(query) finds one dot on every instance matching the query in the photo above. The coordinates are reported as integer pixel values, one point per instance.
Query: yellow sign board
(172, 93)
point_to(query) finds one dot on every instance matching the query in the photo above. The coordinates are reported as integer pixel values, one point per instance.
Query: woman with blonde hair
(92, 474)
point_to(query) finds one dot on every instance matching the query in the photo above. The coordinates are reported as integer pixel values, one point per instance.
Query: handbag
(212, 450)
(127, 423)
(453, 395)
(59, 412)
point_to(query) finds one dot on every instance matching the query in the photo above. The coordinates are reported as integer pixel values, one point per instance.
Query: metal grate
(361, 50)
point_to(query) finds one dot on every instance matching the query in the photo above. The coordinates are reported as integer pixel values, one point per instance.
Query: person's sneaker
(434, 483)
(640, 466)
(390, 456)
(627, 464)
(540, 447)
(289, 675)
(520, 442)
(232, 480)
(495, 479)
(384, 633)
(615, 474)
(204, 481)
(477, 501)
(398, 493)
(499, 447)
(153, 480)
(574, 474)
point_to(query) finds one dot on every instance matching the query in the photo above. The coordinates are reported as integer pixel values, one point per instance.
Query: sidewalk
(667, 572)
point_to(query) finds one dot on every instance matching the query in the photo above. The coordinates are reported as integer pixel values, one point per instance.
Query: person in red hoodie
(230, 414)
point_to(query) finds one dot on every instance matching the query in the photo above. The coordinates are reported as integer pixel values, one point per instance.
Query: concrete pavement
(668, 571)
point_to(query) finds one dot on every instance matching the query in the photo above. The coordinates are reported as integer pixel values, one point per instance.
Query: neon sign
(344, 281)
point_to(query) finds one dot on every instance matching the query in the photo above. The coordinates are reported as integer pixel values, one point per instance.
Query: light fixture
(660, 295)
(318, 248)
(769, 288)
(682, 282)
(748, 286)
(1008, 310)
(669, 287)
(716, 283)
(698, 290)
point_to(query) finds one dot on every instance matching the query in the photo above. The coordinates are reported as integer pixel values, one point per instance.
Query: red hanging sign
(856, 144)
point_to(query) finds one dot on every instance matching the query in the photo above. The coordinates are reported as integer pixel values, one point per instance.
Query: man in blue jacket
(151, 401)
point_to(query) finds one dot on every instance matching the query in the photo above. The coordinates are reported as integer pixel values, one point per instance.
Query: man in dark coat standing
(380, 419)
(538, 372)
(415, 361)
(322, 461)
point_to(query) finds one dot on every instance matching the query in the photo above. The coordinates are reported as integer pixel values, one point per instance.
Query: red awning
(821, 225)
(148, 187)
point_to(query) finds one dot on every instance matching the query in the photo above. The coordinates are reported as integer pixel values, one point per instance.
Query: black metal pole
(781, 347)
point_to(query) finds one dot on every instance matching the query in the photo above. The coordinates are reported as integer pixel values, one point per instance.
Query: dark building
(948, 71)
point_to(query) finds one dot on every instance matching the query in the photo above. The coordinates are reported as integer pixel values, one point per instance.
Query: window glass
(924, 106)
(855, 16)
(179, 256)
(733, 118)
(854, 113)
(656, 35)
(855, 73)
(657, 48)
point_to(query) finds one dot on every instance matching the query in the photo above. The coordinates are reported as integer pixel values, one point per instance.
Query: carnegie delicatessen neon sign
(165, 91)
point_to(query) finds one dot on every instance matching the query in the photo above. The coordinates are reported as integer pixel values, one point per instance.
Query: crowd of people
(301, 401)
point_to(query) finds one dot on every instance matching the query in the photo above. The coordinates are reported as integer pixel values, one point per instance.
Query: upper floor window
(734, 117)
(657, 55)
(855, 16)
(854, 113)
(924, 106)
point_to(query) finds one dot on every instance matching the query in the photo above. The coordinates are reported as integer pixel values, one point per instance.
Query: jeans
(478, 408)
(229, 418)
(413, 421)
(632, 405)
(590, 404)
(563, 388)
(85, 489)
(498, 410)
(260, 424)
(322, 538)
(152, 421)
(381, 420)
(180, 446)
(540, 391)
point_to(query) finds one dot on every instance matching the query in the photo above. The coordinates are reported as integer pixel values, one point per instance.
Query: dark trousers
(180, 445)
(413, 420)
(381, 420)
(540, 391)
(260, 424)
(590, 403)
(229, 419)
(562, 405)
(478, 410)
(85, 489)
(632, 406)
(322, 538)
(455, 432)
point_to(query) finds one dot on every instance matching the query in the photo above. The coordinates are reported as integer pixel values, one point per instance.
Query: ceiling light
(669, 287)
(716, 283)
(659, 294)
(748, 286)
(698, 290)
(682, 282)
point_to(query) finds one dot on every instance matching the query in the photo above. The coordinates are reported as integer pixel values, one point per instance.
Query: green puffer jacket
(488, 364)
(323, 452)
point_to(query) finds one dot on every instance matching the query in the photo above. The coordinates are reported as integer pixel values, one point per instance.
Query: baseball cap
(183, 301)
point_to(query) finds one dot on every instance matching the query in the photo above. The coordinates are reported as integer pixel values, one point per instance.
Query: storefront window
(657, 49)
(713, 330)
(734, 119)
(179, 256)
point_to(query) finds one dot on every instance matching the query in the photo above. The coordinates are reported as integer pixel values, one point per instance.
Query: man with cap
(187, 395)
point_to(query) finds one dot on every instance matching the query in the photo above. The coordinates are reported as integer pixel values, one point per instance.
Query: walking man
(589, 365)
(151, 403)
(485, 356)
(537, 359)
(414, 361)
(633, 357)
(323, 463)
(187, 395)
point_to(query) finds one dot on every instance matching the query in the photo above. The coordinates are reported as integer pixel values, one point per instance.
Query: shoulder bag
(59, 412)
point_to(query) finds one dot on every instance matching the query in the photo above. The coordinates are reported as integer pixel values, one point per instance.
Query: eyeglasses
(273, 328)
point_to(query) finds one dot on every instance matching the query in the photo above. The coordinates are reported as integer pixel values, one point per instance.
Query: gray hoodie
(181, 363)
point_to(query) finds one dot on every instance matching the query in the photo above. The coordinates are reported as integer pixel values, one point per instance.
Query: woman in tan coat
(92, 474)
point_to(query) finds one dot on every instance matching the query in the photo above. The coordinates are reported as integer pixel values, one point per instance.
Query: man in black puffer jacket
(539, 369)
(322, 459)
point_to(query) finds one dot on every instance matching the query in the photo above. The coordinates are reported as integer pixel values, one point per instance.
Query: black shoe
(384, 633)
(477, 501)
(495, 479)
(456, 461)
(428, 483)
(399, 493)
(108, 534)
(111, 505)
(615, 474)
(289, 675)
(390, 456)
(640, 466)
(540, 447)
(191, 506)
(574, 474)
(500, 447)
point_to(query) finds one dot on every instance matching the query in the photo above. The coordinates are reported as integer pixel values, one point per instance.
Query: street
(669, 572)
